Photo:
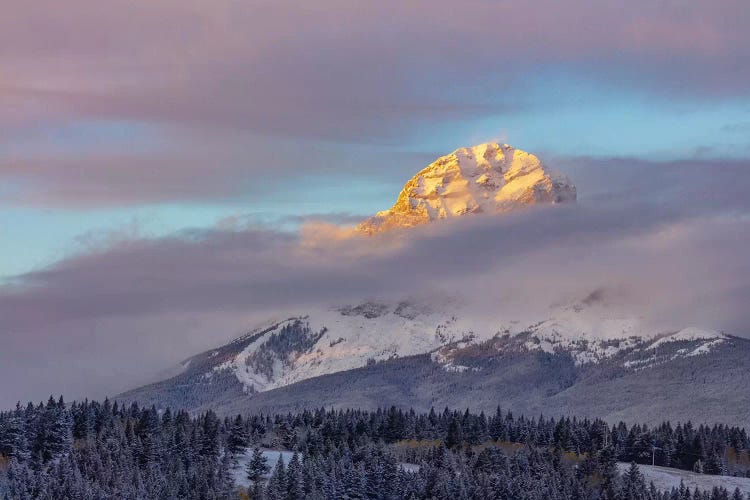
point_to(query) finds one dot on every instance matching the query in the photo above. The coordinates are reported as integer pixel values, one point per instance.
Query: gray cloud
(675, 236)
(698, 185)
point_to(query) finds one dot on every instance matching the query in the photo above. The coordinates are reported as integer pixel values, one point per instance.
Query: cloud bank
(674, 236)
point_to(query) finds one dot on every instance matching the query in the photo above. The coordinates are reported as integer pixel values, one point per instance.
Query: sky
(169, 170)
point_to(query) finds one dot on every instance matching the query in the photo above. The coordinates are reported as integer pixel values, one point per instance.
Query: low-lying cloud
(672, 236)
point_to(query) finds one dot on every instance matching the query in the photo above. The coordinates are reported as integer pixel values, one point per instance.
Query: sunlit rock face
(488, 178)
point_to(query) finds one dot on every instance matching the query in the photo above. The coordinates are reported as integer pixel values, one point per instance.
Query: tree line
(93, 450)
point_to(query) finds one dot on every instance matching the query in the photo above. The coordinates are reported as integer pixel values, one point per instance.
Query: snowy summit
(488, 178)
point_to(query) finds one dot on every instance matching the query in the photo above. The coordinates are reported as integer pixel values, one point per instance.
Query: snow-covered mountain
(487, 178)
(417, 351)
(342, 338)
(334, 340)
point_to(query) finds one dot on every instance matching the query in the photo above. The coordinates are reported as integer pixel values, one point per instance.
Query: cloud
(239, 97)
(221, 84)
(675, 237)
(689, 186)
(211, 169)
(308, 221)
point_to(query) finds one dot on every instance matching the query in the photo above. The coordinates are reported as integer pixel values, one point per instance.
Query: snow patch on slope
(592, 332)
(665, 478)
(690, 335)
(589, 338)
(349, 337)
(699, 342)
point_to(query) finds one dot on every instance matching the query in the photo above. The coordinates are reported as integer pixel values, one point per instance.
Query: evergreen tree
(13, 439)
(277, 484)
(238, 439)
(633, 485)
(134, 452)
(455, 435)
(257, 467)
(294, 485)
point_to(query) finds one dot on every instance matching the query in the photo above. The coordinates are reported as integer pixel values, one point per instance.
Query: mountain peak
(486, 178)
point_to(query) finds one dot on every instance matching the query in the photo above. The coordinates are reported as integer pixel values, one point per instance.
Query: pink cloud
(335, 71)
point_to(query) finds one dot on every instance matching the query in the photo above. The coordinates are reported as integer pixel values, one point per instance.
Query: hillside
(710, 387)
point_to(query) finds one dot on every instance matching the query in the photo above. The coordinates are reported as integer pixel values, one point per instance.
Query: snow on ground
(410, 468)
(272, 457)
(665, 478)
(690, 335)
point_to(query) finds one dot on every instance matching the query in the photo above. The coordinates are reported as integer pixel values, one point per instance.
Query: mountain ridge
(707, 388)
(442, 343)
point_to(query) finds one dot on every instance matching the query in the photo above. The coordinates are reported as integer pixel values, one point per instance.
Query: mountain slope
(666, 478)
(582, 360)
(488, 178)
(706, 388)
